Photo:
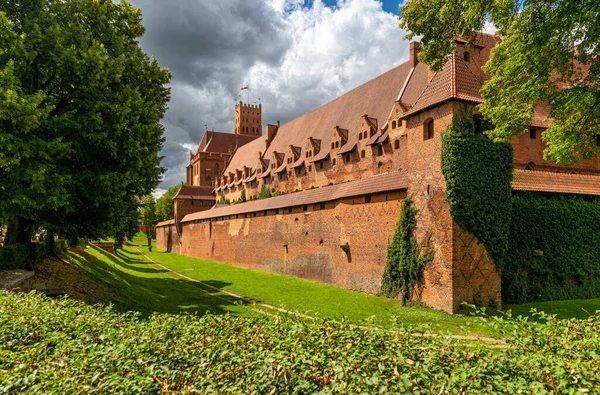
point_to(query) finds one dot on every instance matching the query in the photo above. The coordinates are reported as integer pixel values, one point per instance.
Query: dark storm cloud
(294, 57)
(207, 39)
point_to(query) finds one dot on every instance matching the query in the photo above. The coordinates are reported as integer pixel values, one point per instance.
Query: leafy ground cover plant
(63, 346)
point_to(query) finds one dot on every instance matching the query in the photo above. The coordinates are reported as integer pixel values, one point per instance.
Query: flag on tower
(244, 88)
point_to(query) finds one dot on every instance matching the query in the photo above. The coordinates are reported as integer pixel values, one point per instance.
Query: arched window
(393, 124)
(428, 129)
(216, 169)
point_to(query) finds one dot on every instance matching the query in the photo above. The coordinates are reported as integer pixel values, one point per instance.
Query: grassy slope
(310, 297)
(135, 284)
(581, 308)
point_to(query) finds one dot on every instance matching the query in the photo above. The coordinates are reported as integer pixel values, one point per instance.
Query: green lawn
(310, 297)
(137, 285)
(581, 308)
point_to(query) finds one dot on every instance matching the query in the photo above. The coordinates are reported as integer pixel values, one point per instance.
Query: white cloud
(294, 58)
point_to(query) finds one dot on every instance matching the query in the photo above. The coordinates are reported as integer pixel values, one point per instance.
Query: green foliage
(13, 256)
(223, 200)
(565, 231)
(405, 262)
(165, 206)
(242, 198)
(148, 217)
(43, 341)
(80, 105)
(478, 175)
(535, 62)
(265, 192)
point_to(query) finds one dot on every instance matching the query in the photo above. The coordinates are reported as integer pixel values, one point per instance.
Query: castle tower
(248, 119)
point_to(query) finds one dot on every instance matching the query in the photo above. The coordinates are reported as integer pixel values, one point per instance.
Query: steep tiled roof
(379, 183)
(188, 192)
(454, 81)
(543, 181)
(373, 98)
(222, 142)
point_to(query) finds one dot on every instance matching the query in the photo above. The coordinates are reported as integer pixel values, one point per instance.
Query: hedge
(63, 346)
(554, 249)
(14, 256)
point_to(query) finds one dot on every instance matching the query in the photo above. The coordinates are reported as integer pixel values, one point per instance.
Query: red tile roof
(544, 181)
(454, 81)
(188, 192)
(374, 98)
(379, 183)
(222, 142)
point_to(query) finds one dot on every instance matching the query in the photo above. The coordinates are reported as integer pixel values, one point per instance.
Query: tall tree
(148, 218)
(549, 54)
(80, 105)
(165, 207)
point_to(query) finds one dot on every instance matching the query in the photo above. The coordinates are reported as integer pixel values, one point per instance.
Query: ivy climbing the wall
(405, 262)
(478, 175)
(553, 250)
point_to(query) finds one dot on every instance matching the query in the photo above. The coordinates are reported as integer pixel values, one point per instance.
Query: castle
(344, 170)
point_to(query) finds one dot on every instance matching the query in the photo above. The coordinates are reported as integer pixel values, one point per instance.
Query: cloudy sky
(295, 55)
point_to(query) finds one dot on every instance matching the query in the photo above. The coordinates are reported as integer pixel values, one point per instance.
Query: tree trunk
(19, 232)
(50, 243)
(149, 237)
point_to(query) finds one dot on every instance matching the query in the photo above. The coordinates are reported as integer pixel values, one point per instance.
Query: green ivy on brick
(553, 250)
(478, 175)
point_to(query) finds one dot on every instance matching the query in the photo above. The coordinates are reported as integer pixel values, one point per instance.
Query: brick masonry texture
(387, 129)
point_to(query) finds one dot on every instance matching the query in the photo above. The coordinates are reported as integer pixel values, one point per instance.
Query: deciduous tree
(548, 54)
(80, 105)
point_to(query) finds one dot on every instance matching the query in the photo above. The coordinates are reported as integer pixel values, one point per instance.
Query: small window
(347, 156)
(309, 168)
(360, 136)
(397, 144)
(532, 133)
(337, 144)
(216, 169)
(333, 161)
(362, 153)
(399, 122)
(393, 124)
(428, 129)
(379, 150)
(332, 145)
(466, 56)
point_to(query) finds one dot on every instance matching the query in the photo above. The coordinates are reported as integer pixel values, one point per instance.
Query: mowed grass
(580, 308)
(312, 298)
(138, 285)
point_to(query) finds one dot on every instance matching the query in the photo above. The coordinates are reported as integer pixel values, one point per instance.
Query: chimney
(415, 47)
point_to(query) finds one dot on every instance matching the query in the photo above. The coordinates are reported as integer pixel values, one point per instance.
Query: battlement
(248, 119)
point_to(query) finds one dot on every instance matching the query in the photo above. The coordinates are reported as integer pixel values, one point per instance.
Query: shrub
(62, 346)
(553, 249)
(13, 256)
(405, 263)
(264, 193)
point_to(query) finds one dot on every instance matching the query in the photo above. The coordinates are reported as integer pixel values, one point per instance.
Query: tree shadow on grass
(151, 290)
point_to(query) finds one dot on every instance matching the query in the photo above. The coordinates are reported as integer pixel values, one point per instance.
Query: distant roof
(380, 183)
(222, 142)
(544, 181)
(188, 192)
(374, 98)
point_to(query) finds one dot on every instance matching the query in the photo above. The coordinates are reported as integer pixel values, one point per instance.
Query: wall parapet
(392, 181)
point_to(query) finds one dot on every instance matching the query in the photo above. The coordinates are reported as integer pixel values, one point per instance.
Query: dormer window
(337, 144)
